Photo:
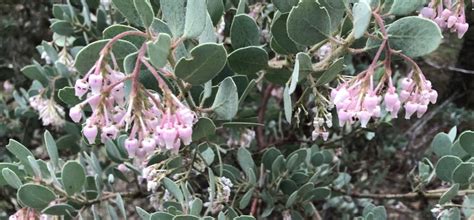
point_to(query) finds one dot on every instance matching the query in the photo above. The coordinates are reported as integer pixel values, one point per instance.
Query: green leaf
(280, 34)
(226, 103)
(144, 215)
(63, 28)
(336, 68)
(321, 193)
(158, 26)
(445, 167)
(206, 152)
(127, 9)
(145, 11)
(463, 172)
(73, 177)
(121, 205)
(113, 151)
(204, 127)
(196, 207)
(284, 5)
(185, 217)
(245, 217)
(59, 209)
(22, 153)
(116, 29)
(269, 156)
(466, 140)
(67, 95)
(244, 157)
(206, 61)
(308, 23)
(402, 7)
(336, 10)
(287, 105)
(467, 205)
(160, 216)
(441, 144)
(248, 60)
(244, 32)
(450, 194)
(245, 200)
(196, 14)
(35, 196)
(173, 188)
(159, 50)
(13, 167)
(51, 148)
(216, 10)
(294, 77)
(174, 13)
(11, 178)
(414, 36)
(362, 14)
(87, 57)
(34, 73)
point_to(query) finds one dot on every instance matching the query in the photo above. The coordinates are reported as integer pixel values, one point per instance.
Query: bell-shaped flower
(90, 133)
(80, 88)
(185, 134)
(75, 113)
(132, 146)
(95, 82)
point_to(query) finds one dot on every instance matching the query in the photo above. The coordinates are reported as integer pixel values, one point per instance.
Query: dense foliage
(228, 109)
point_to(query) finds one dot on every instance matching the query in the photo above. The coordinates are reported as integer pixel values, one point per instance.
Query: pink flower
(75, 113)
(90, 132)
(80, 88)
(410, 109)
(131, 145)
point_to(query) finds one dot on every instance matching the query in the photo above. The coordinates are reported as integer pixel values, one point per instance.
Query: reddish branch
(261, 116)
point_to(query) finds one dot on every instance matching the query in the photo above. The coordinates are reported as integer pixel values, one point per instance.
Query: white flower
(49, 111)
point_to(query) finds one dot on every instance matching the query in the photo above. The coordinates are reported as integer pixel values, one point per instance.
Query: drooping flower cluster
(49, 111)
(223, 193)
(448, 15)
(153, 121)
(357, 100)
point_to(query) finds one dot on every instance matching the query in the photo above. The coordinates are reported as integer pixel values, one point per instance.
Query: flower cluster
(28, 214)
(153, 176)
(155, 121)
(448, 15)
(357, 100)
(223, 190)
(245, 140)
(49, 111)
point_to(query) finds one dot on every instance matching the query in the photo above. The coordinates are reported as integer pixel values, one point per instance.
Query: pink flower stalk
(451, 18)
(152, 121)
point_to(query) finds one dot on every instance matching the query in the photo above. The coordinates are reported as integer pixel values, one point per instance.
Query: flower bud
(406, 83)
(95, 82)
(433, 96)
(441, 22)
(75, 113)
(325, 135)
(131, 145)
(364, 117)
(410, 109)
(110, 132)
(185, 133)
(452, 21)
(421, 110)
(461, 28)
(446, 13)
(149, 145)
(122, 168)
(315, 134)
(90, 132)
(80, 88)
(404, 95)
(344, 116)
(169, 136)
(370, 102)
(427, 12)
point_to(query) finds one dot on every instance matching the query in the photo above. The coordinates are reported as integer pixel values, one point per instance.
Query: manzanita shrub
(170, 109)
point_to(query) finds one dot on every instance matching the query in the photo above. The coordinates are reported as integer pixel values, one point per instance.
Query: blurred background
(380, 161)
